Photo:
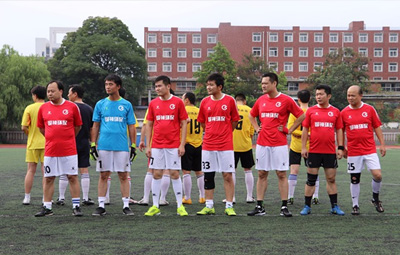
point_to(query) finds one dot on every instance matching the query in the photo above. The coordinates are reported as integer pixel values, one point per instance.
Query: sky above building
(23, 21)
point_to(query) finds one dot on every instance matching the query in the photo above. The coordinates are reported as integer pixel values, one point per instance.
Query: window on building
(378, 37)
(152, 38)
(152, 53)
(181, 38)
(196, 53)
(167, 67)
(303, 37)
(152, 67)
(167, 38)
(393, 67)
(273, 52)
(363, 38)
(363, 52)
(167, 53)
(303, 67)
(377, 78)
(288, 66)
(256, 51)
(211, 38)
(274, 66)
(348, 37)
(181, 53)
(318, 66)
(378, 67)
(273, 37)
(318, 37)
(393, 37)
(257, 37)
(393, 52)
(378, 52)
(318, 52)
(196, 67)
(303, 52)
(293, 86)
(333, 37)
(186, 85)
(181, 67)
(288, 52)
(393, 87)
(196, 38)
(288, 37)
(333, 50)
(210, 51)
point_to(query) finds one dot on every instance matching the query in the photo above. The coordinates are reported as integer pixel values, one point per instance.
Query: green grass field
(318, 233)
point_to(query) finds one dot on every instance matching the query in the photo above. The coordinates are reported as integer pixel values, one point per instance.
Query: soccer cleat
(26, 201)
(128, 211)
(143, 202)
(306, 210)
(181, 211)
(107, 201)
(250, 200)
(154, 210)
(206, 211)
(100, 211)
(163, 202)
(285, 212)
(230, 211)
(336, 210)
(187, 201)
(77, 211)
(132, 201)
(378, 205)
(224, 201)
(44, 212)
(202, 200)
(290, 201)
(356, 210)
(315, 201)
(88, 202)
(60, 201)
(258, 211)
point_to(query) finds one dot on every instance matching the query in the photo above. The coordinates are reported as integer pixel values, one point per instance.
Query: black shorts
(295, 158)
(317, 160)
(83, 156)
(246, 159)
(191, 160)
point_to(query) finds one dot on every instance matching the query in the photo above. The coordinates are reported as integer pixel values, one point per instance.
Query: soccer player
(303, 97)
(273, 109)
(218, 116)
(113, 116)
(166, 129)
(59, 121)
(192, 158)
(322, 121)
(360, 120)
(35, 144)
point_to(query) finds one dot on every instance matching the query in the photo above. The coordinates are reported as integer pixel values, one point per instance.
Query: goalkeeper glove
(133, 152)
(93, 151)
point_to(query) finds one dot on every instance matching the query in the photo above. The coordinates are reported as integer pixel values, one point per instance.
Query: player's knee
(311, 179)
(355, 178)
(209, 182)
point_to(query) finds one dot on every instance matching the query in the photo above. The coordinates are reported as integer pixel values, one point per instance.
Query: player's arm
(181, 149)
(379, 134)
(142, 145)
(304, 138)
(296, 123)
(254, 123)
(77, 129)
(149, 132)
(95, 132)
(339, 139)
(25, 129)
(41, 131)
(234, 124)
(203, 125)
(132, 133)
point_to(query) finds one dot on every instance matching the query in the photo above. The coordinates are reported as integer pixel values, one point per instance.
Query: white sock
(147, 186)
(108, 188)
(28, 195)
(249, 179)
(47, 205)
(126, 202)
(102, 201)
(187, 185)
(76, 201)
(177, 186)
(85, 183)
(209, 203)
(200, 185)
(355, 193)
(292, 182)
(155, 188)
(130, 186)
(62, 186)
(376, 186)
(316, 188)
(234, 184)
(228, 204)
(165, 181)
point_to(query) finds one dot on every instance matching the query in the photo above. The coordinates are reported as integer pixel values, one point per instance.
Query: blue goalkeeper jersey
(114, 116)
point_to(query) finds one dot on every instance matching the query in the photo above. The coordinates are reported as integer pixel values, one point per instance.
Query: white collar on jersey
(324, 108)
(63, 100)
(212, 97)
(170, 96)
(279, 93)
(362, 103)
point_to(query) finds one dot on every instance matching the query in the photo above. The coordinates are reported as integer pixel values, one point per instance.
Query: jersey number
(206, 165)
(350, 166)
(151, 160)
(194, 127)
(47, 169)
(239, 126)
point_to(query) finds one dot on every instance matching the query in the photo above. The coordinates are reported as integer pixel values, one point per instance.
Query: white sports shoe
(107, 201)
(26, 201)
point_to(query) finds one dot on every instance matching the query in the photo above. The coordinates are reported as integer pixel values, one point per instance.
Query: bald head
(356, 89)
(354, 96)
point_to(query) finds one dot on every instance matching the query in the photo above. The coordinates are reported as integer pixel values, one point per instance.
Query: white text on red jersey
(216, 118)
(270, 115)
(359, 126)
(323, 124)
(165, 117)
(57, 122)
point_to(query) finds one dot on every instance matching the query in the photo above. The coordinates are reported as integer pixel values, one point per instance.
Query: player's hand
(304, 153)
(181, 151)
(283, 129)
(345, 153)
(132, 155)
(382, 149)
(296, 136)
(339, 154)
(142, 146)
(93, 151)
(148, 152)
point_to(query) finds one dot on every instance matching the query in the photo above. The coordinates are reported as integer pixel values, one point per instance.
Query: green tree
(101, 46)
(340, 71)
(18, 75)
(219, 62)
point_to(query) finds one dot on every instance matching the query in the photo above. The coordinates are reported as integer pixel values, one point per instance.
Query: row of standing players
(219, 151)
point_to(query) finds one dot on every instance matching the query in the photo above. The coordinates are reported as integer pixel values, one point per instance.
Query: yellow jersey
(295, 143)
(29, 119)
(244, 131)
(194, 135)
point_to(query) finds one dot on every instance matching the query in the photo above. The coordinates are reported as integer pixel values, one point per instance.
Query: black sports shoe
(128, 211)
(88, 202)
(315, 201)
(100, 211)
(378, 205)
(60, 202)
(77, 211)
(290, 201)
(258, 211)
(356, 210)
(285, 212)
(44, 212)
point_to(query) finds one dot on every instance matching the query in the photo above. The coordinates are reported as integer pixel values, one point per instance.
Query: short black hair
(39, 92)
(272, 77)
(171, 91)
(240, 97)
(122, 92)
(360, 91)
(59, 85)
(191, 97)
(218, 78)
(165, 79)
(304, 96)
(115, 78)
(78, 89)
(325, 87)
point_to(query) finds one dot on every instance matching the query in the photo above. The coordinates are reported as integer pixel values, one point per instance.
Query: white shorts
(167, 158)
(56, 166)
(356, 164)
(113, 161)
(272, 158)
(218, 161)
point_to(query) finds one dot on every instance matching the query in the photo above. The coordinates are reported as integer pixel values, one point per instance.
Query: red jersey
(322, 124)
(272, 113)
(359, 126)
(218, 116)
(166, 116)
(59, 122)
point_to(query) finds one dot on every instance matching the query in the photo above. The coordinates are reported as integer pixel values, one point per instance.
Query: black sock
(375, 196)
(308, 200)
(284, 203)
(333, 198)
(260, 203)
